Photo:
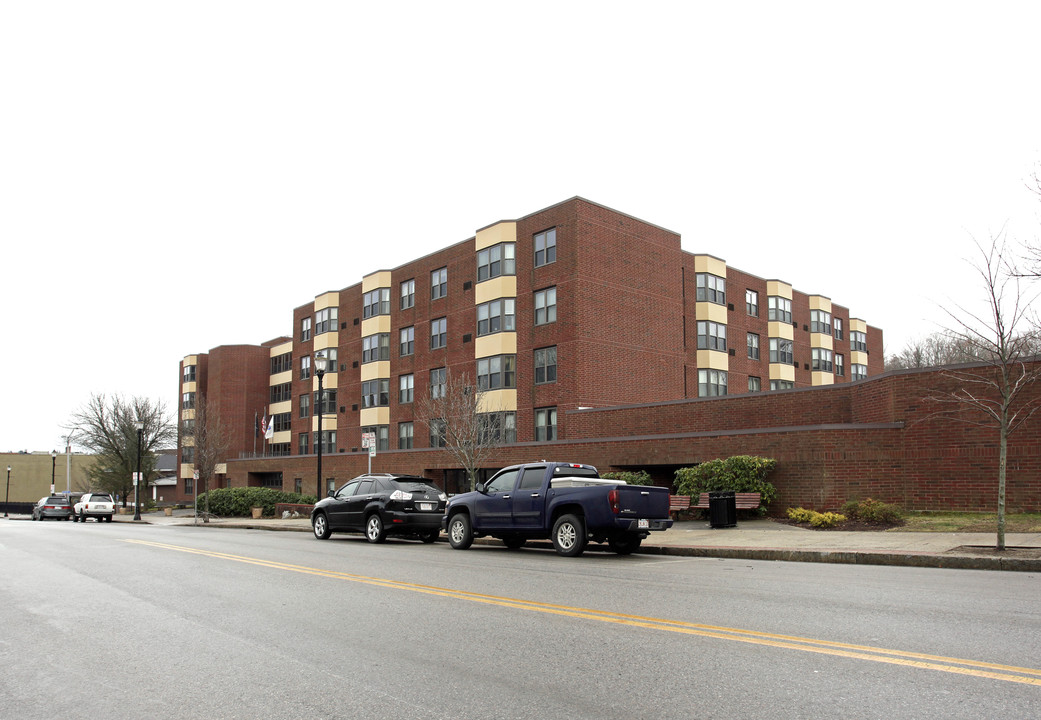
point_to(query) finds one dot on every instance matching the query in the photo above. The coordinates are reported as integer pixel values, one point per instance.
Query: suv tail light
(612, 500)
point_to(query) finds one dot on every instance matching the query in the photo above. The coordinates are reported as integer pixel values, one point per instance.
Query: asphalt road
(134, 621)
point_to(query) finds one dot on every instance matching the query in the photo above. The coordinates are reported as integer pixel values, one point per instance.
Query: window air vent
(730, 306)
(467, 338)
(805, 367)
(467, 285)
(354, 449)
(343, 409)
(355, 321)
(354, 408)
(343, 367)
(733, 351)
(805, 328)
(343, 325)
(795, 325)
(354, 364)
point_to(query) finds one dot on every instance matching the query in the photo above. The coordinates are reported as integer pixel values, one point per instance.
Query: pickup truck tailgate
(642, 501)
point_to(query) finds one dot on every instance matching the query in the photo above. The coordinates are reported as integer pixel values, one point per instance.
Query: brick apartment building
(571, 317)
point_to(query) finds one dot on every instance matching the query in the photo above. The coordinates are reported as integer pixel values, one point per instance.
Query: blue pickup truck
(567, 502)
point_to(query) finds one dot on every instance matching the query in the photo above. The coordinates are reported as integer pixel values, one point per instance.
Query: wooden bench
(744, 501)
(679, 503)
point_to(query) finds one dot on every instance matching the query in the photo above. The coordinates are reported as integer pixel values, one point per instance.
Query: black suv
(380, 505)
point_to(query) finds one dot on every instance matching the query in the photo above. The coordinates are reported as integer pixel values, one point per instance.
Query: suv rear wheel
(374, 531)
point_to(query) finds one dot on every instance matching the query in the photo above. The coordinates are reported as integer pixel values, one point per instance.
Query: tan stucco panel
(857, 357)
(328, 381)
(820, 340)
(327, 300)
(504, 286)
(713, 359)
(710, 264)
(781, 330)
(498, 233)
(822, 378)
(819, 302)
(857, 325)
(779, 371)
(282, 377)
(286, 406)
(375, 416)
(328, 422)
(379, 279)
(286, 347)
(780, 289)
(498, 401)
(374, 370)
(373, 325)
(504, 343)
(326, 340)
(711, 311)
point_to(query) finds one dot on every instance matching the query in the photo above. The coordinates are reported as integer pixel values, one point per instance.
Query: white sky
(180, 175)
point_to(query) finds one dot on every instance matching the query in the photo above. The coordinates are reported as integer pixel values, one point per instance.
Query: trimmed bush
(826, 520)
(872, 511)
(740, 473)
(238, 502)
(801, 515)
(630, 477)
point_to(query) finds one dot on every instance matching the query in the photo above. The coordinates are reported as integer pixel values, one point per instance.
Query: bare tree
(939, 348)
(994, 396)
(107, 428)
(210, 440)
(459, 414)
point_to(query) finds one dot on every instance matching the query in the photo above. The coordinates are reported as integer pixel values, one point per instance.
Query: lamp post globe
(139, 426)
(319, 367)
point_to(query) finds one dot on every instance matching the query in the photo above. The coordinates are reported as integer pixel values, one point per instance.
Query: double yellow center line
(1007, 673)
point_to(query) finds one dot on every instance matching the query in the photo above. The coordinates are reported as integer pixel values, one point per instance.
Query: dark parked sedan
(53, 506)
(379, 505)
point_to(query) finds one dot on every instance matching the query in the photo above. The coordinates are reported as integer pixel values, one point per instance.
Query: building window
(497, 372)
(752, 302)
(328, 442)
(375, 347)
(303, 445)
(711, 288)
(496, 260)
(545, 424)
(781, 384)
(778, 309)
(498, 427)
(282, 421)
(188, 455)
(496, 316)
(546, 247)
(754, 384)
(408, 294)
(546, 365)
(189, 486)
(781, 351)
(305, 405)
(281, 363)
(405, 388)
(188, 427)
(820, 322)
(305, 367)
(840, 365)
(437, 382)
(375, 393)
(438, 431)
(327, 405)
(281, 392)
(405, 431)
(712, 383)
(857, 371)
(325, 321)
(376, 302)
(858, 341)
(439, 283)
(546, 306)
(821, 359)
(189, 373)
(438, 333)
(837, 323)
(407, 344)
(305, 329)
(188, 401)
(753, 346)
(382, 433)
(712, 336)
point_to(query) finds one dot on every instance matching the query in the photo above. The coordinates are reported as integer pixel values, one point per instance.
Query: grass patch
(970, 522)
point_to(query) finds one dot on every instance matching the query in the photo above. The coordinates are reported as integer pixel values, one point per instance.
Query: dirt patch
(1028, 553)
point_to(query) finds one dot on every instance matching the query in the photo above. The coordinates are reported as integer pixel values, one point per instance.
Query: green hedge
(238, 502)
(630, 477)
(740, 473)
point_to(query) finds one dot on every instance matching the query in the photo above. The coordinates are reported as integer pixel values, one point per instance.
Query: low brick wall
(281, 508)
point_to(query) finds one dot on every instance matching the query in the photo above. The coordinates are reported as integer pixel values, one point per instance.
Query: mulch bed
(853, 525)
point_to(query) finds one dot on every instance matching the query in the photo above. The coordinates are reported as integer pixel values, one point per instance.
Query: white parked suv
(95, 505)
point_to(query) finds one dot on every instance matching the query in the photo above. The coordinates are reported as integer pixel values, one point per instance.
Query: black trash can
(722, 509)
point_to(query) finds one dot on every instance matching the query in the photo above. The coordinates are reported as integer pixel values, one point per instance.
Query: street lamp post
(7, 495)
(137, 483)
(319, 365)
(54, 456)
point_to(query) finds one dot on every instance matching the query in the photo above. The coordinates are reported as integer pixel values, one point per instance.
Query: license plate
(426, 506)
(643, 524)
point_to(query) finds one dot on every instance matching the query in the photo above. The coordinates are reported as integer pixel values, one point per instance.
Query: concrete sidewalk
(763, 539)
